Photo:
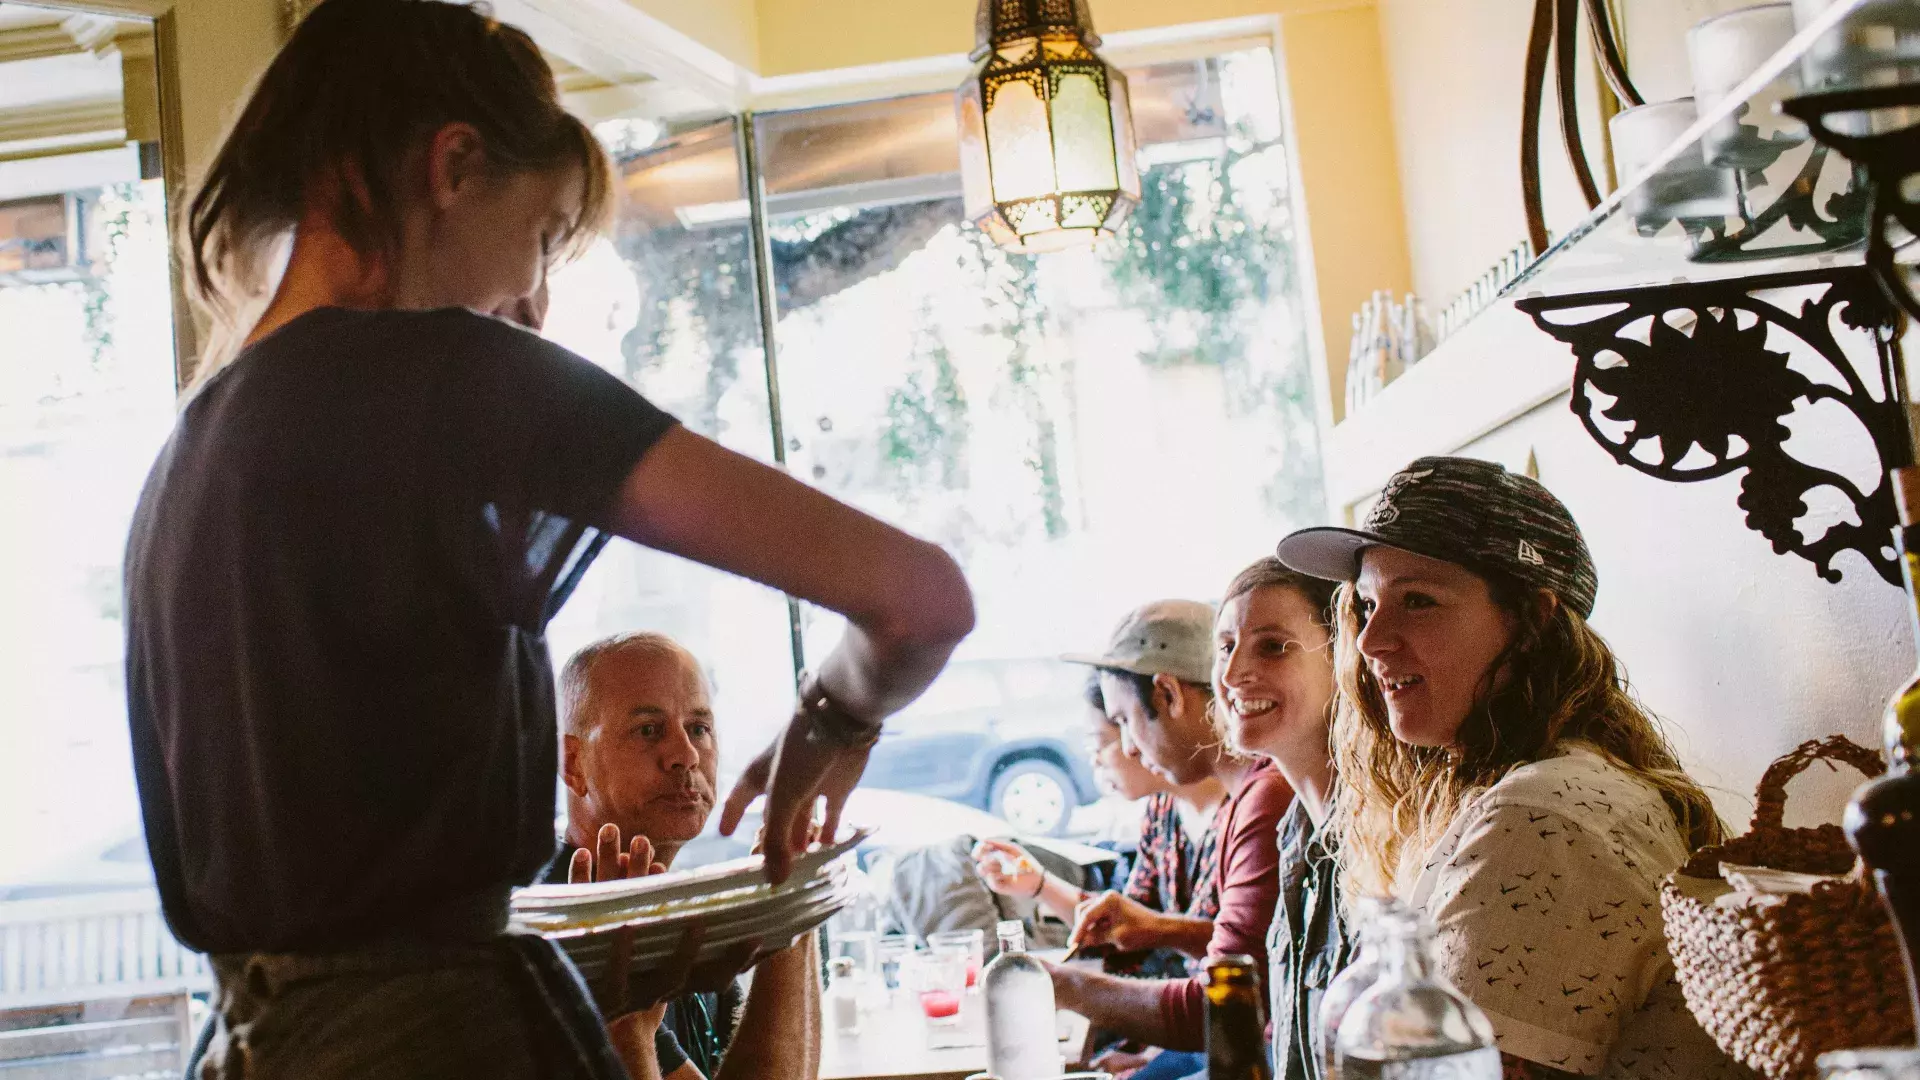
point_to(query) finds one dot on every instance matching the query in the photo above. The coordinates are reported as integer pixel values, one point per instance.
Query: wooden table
(896, 1043)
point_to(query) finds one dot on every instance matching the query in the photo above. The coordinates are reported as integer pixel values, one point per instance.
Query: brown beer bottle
(1236, 1020)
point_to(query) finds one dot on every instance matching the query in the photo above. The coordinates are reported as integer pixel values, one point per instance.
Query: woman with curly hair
(1497, 774)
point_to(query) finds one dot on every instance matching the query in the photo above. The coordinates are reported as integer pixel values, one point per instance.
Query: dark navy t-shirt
(338, 583)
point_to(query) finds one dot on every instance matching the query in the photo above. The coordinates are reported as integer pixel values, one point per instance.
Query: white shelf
(1498, 366)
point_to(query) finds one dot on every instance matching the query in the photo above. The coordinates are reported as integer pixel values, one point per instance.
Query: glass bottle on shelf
(1021, 1041)
(1373, 917)
(1236, 1021)
(1411, 1024)
(1883, 820)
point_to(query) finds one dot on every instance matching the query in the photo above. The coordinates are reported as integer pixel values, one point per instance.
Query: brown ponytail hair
(342, 108)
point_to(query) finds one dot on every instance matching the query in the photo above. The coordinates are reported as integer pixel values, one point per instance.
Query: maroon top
(1249, 886)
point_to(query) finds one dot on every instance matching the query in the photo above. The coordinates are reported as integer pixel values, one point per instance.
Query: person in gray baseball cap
(1156, 680)
(1160, 660)
(1497, 773)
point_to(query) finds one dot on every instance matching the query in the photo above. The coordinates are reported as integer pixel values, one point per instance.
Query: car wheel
(1034, 796)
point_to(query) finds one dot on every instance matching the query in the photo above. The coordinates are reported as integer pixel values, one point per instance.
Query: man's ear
(456, 159)
(1167, 698)
(571, 771)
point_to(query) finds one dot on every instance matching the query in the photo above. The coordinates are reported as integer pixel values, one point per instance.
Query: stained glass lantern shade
(1046, 134)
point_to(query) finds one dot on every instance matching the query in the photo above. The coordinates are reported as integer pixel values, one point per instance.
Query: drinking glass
(1723, 51)
(975, 944)
(1877, 45)
(1684, 189)
(938, 977)
(1879, 1064)
(888, 953)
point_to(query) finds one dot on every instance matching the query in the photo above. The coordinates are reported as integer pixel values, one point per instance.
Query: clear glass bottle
(1411, 1024)
(1021, 1043)
(1236, 1024)
(1373, 917)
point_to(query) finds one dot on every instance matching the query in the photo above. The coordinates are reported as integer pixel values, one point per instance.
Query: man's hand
(621, 991)
(794, 773)
(1112, 919)
(606, 862)
(1123, 1063)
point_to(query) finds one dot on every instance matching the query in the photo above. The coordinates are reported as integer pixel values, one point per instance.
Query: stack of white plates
(732, 902)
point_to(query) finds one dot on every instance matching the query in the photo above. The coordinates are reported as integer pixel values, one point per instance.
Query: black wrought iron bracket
(1890, 159)
(1836, 224)
(1688, 366)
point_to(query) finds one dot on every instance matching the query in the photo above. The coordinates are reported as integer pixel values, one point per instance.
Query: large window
(1084, 432)
(86, 399)
(668, 304)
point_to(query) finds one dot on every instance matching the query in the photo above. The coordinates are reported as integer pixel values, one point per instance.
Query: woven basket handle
(1770, 806)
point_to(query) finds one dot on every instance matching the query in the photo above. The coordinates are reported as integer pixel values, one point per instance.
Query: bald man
(639, 752)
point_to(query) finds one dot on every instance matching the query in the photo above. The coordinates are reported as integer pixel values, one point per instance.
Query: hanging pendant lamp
(1046, 133)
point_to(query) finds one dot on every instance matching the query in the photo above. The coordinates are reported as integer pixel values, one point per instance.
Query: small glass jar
(1724, 51)
(1684, 189)
(1878, 44)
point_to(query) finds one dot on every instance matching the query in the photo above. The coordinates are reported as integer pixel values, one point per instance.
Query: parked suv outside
(1000, 735)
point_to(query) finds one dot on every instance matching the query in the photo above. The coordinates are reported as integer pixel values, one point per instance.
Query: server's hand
(795, 773)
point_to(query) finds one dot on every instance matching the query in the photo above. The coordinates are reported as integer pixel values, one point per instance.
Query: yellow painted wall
(1350, 180)
(728, 27)
(814, 35)
(1455, 75)
(223, 45)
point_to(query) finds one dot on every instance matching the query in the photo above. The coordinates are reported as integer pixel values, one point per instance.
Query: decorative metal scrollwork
(1891, 160)
(1715, 385)
(1837, 223)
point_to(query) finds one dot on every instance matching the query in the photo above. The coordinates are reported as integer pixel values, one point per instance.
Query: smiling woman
(1497, 774)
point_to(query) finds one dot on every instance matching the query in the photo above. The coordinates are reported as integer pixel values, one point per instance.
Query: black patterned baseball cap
(1465, 511)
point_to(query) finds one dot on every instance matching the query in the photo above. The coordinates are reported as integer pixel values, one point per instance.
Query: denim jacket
(1307, 944)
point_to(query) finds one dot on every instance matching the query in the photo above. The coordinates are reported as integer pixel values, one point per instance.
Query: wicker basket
(1778, 984)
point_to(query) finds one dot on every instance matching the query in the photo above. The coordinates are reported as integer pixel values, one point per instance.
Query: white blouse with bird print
(1545, 890)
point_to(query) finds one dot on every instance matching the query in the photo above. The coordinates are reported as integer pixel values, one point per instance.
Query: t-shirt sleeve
(667, 1051)
(544, 429)
(1249, 888)
(1547, 927)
